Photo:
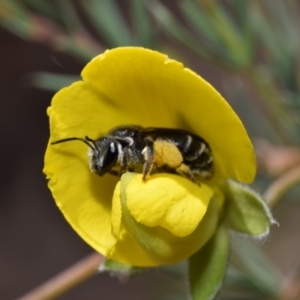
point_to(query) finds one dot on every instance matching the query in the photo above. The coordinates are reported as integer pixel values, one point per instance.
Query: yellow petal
(116, 212)
(138, 86)
(140, 245)
(79, 110)
(84, 198)
(160, 92)
(170, 201)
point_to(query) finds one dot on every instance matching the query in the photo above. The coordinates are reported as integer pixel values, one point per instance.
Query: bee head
(103, 153)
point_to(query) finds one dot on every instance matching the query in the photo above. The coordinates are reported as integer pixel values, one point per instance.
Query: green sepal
(246, 211)
(122, 271)
(207, 267)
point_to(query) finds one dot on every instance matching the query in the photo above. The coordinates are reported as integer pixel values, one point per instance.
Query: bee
(138, 149)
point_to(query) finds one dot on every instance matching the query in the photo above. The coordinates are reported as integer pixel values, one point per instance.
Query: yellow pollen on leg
(166, 153)
(184, 170)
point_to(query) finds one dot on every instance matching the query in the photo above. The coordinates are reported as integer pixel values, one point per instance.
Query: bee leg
(148, 153)
(124, 161)
(185, 171)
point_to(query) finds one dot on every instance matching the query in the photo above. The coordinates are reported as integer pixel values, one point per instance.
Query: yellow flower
(168, 218)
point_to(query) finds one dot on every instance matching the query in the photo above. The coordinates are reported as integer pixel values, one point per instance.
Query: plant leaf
(143, 28)
(174, 29)
(247, 212)
(207, 266)
(16, 18)
(109, 21)
(52, 81)
(200, 21)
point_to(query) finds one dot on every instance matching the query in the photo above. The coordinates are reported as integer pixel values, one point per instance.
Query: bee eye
(112, 148)
(110, 157)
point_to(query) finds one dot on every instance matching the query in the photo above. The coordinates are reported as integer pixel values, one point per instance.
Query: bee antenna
(86, 141)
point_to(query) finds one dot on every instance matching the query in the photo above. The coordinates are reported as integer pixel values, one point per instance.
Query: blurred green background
(249, 50)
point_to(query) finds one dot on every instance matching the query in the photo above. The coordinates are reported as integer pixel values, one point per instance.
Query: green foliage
(246, 211)
(14, 17)
(52, 81)
(109, 21)
(141, 25)
(257, 270)
(207, 266)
